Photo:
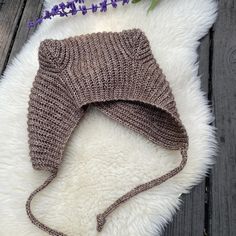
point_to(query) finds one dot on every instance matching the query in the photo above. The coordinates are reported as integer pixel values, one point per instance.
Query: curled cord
(101, 218)
(30, 214)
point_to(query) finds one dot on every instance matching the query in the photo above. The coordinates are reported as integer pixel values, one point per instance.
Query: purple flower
(31, 24)
(125, 1)
(47, 15)
(73, 8)
(55, 10)
(39, 21)
(103, 6)
(62, 6)
(83, 9)
(94, 7)
(113, 3)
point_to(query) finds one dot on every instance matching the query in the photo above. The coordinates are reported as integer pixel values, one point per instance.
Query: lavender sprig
(71, 8)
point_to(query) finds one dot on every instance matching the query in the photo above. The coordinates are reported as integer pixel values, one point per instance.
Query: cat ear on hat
(136, 43)
(53, 55)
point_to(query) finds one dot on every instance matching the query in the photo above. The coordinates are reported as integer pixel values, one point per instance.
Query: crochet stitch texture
(117, 73)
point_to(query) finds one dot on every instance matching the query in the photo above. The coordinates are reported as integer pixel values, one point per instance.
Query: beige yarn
(117, 73)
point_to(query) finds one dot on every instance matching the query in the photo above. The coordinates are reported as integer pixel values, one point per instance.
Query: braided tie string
(33, 219)
(101, 218)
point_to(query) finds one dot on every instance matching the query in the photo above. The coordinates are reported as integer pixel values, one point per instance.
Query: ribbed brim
(150, 121)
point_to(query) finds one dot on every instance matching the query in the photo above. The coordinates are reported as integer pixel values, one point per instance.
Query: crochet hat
(117, 73)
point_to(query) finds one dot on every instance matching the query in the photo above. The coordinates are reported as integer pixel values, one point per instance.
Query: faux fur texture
(103, 159)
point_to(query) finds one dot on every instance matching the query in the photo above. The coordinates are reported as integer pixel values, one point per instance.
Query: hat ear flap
(52, 113)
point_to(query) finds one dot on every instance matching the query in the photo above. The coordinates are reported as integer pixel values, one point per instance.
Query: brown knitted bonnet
(117, 73)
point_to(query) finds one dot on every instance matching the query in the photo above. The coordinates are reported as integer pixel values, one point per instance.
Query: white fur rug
(103, 159)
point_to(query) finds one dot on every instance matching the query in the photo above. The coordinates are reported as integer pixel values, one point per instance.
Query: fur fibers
(103, 160)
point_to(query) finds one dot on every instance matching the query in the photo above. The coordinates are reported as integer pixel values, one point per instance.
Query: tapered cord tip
(100, 222)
